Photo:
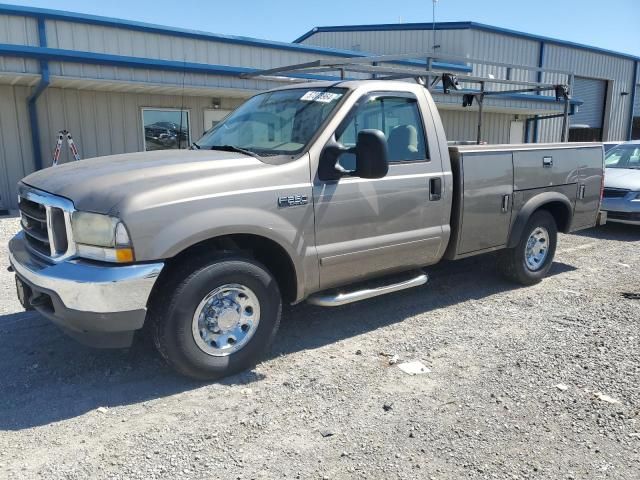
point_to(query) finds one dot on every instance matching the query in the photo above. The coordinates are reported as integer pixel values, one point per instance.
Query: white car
(621, 197)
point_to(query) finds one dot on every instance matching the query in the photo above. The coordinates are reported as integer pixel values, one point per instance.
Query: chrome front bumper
(87, 286)
(86, 298)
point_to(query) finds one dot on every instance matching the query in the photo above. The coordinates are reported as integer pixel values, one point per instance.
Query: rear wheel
(214, 317)
(529, 261)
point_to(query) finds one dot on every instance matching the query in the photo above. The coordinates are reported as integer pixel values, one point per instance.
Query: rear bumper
(98, 304)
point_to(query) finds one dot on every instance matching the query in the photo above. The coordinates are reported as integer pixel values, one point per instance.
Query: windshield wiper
(233, 148)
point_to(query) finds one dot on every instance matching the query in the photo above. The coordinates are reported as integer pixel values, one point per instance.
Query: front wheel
(215, 317)
(529, 261)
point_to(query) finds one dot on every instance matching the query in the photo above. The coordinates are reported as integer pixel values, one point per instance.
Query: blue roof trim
(57, 54)
(181, 32)
(460, 26)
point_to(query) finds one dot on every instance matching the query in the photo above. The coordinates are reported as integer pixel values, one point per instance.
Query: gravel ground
(539, 382)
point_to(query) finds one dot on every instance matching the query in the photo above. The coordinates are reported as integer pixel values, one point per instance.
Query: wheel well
(560, 214)
(264, 250)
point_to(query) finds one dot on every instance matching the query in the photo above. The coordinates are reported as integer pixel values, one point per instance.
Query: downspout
(539, 80)
(41, 87)
(634, 87)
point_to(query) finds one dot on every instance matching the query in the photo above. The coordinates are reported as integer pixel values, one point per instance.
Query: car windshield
(274, 123)
(623, 156)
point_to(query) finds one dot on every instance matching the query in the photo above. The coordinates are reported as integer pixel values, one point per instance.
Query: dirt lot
(540, 382)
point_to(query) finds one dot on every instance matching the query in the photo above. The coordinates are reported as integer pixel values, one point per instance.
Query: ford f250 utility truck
(302, 193)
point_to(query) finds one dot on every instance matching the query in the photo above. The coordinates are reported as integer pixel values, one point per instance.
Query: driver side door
(368, 227)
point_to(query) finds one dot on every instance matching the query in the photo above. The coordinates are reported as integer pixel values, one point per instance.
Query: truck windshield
(274, 123)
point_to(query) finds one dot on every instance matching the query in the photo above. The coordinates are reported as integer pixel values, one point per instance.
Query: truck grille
(615, 193)
(46, 222)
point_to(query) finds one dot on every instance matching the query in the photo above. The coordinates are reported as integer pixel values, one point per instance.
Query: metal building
(604, 81)
(122, 86)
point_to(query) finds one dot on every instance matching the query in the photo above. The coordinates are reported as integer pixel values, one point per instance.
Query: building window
(166, 128)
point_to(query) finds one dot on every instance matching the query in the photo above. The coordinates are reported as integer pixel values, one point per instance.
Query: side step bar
(335, 298)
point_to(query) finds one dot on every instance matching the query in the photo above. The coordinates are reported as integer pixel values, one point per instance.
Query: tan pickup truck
(302, 193)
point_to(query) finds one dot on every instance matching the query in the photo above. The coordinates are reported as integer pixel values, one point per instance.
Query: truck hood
(100, 184)
(625, 178)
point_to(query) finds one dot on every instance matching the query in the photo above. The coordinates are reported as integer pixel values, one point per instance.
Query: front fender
(534, 203)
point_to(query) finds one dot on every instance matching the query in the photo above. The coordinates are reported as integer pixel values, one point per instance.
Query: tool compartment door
(487, 182)
(590, 171)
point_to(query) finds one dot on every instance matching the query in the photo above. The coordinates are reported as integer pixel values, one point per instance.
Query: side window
(398, 118)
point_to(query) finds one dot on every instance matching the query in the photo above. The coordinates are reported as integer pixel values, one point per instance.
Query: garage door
(586, 124)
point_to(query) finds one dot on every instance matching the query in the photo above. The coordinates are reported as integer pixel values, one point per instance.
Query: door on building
(212, 117)
(366, 226)
(516, 132)
(587, 123)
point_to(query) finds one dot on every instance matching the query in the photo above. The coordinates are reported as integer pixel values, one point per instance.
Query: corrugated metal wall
(386, 42)
(591, 64)
(463, 42)
(120, 41)
(16, 156)
(462, 126)
(16, 30)
(105, 123)
(509, 49)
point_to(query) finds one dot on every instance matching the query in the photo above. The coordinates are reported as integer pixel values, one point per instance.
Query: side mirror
(372, 154)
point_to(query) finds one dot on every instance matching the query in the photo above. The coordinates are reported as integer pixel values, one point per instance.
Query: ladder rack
(378, 69)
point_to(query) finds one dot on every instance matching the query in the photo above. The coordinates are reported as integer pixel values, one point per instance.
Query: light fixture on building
(624, 94)
(215, 103)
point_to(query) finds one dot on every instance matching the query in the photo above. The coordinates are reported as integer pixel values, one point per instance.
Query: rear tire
(530, 260)
(213, 317)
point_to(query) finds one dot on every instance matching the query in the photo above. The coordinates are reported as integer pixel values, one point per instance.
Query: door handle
(547, 161)
(435, 189)
(581, 191)
(505, 203)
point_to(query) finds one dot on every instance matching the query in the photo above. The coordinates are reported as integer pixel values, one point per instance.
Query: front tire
(530, 260)
(214, 317)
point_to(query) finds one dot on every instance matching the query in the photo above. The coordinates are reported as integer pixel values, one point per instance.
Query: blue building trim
(33, 98)
(634, 92)
(541, 53)
(48, 14)
(461, 26)
(75, 56)
(56, 54)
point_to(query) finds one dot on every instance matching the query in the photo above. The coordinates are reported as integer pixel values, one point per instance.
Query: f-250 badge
(292, 200)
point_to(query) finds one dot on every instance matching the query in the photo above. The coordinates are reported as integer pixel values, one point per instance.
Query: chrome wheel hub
(226, 319)
(537, 248)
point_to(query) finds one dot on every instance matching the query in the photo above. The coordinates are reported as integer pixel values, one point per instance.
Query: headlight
(101, 237)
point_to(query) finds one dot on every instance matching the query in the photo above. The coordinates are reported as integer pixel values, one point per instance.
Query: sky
(611, 24)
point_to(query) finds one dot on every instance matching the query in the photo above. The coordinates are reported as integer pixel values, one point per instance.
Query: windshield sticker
(322, 97)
